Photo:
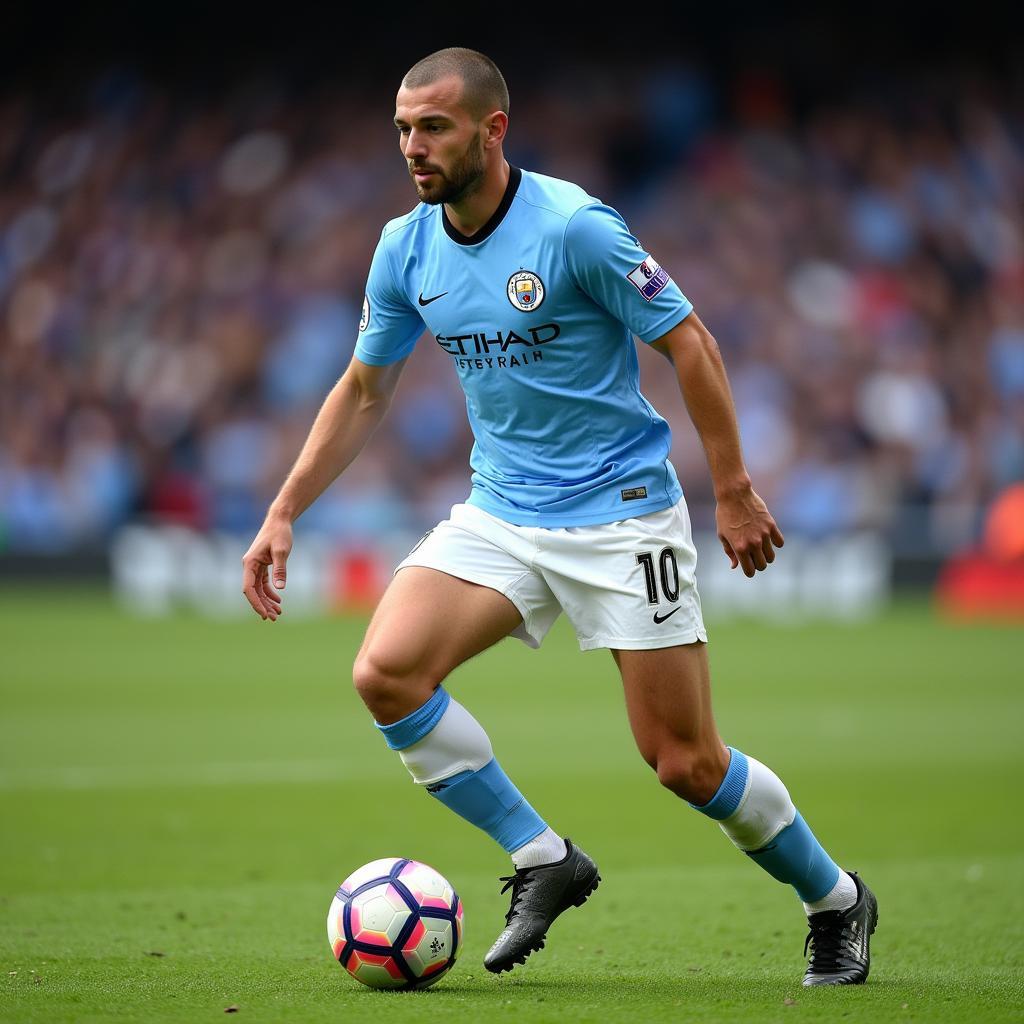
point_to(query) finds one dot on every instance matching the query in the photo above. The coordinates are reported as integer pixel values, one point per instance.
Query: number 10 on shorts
(668, 570)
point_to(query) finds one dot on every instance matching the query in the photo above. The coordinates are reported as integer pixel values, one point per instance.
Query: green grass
(197, 789)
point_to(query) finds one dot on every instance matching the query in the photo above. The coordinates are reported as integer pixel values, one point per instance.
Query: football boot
(840, 941)
(539, 895)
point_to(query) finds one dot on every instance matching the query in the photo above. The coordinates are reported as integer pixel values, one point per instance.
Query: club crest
(525, 290)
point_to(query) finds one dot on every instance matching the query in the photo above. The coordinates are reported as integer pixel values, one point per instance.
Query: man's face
(440, 141)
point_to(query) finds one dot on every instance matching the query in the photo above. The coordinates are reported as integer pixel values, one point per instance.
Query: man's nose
(416, 145)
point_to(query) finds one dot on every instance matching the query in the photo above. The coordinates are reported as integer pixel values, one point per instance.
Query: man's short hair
(484, 89)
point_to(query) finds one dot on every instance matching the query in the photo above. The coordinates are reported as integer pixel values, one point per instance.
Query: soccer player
(534, 290)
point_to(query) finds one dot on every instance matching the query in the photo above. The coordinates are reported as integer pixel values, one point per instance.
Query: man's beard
(462, 180)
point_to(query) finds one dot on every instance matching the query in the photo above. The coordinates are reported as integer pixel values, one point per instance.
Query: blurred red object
(989, 582)
(357, 582)
(1004, 531)
(178, 499)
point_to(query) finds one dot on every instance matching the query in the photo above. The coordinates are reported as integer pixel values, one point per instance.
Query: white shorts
(626, 585)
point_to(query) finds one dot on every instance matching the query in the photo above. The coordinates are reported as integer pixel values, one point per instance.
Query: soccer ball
(395, 923)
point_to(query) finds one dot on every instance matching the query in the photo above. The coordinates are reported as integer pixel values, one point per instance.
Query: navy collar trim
(515, 175)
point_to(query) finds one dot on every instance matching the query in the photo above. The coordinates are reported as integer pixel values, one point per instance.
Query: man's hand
(353, 408)
(271, 547)
(747, 531)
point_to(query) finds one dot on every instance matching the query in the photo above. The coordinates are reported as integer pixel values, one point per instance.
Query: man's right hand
(355, 405)
(271, 547)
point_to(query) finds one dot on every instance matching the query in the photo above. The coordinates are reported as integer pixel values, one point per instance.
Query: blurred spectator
(180, 283)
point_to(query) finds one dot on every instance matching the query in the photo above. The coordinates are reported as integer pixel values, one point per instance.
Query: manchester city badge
(525, 290)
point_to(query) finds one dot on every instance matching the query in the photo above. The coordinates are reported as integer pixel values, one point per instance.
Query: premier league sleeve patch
(648, 278)
(364, 320)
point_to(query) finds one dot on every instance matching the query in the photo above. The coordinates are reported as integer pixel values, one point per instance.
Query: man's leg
(427, 624)
(668, 699)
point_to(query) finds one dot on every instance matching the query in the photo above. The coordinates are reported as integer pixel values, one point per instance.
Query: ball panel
(379, 915)
(368, 872)
(418, 931)
(362, 932)
(428, 888)
(335, 920)
(429, 947)
(375, 971)
(428, 979)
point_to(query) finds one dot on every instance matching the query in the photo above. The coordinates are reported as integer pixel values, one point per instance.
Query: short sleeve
(389, 327)
(609, 264)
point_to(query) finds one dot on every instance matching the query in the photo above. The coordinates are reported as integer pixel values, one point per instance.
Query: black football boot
(840, 941)
(539, 895)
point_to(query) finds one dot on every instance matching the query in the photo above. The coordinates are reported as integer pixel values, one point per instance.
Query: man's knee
(693, 772)
(391, 684)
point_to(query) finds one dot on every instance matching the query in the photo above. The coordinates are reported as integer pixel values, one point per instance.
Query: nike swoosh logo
(426, 302)
(659, 619)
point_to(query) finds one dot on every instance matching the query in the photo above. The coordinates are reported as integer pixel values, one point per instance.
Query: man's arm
(351, 411)
(745, 526)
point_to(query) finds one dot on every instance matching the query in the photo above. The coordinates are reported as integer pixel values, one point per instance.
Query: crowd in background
(181, 281)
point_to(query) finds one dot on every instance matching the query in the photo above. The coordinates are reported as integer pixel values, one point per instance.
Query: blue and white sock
(446, 750)
(755, 811)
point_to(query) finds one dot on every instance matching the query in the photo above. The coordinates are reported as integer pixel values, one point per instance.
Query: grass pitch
(180, 799)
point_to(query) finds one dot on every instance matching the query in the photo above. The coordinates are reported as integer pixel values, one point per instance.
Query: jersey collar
(514, 177)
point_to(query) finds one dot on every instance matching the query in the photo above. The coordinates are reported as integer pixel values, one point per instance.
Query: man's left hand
(747, 531)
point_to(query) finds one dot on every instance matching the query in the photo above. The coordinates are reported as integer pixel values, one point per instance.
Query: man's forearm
(341, 428)
(746, 528)
(705, 389)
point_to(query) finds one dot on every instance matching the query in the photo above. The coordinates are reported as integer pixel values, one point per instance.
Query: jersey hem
(562, 519)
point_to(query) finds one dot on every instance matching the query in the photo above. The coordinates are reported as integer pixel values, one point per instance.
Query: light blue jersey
(537, 312)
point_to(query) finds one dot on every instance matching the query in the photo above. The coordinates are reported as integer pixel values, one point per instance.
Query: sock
(754, 810)
(842, 896)
(546, 848)
(446, 750)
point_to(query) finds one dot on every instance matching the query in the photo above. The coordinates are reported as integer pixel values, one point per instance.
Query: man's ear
(497, 128)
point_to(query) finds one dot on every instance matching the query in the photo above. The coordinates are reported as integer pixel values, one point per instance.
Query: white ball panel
(375, 975)
(434, 945)
(335, 921)
(368, 872)
(428, 886)
(381, 910)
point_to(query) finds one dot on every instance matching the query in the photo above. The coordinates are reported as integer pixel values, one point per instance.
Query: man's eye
(402, 129)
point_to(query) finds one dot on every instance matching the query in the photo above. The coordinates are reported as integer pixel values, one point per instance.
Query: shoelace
(826, 939)
(517, 883)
